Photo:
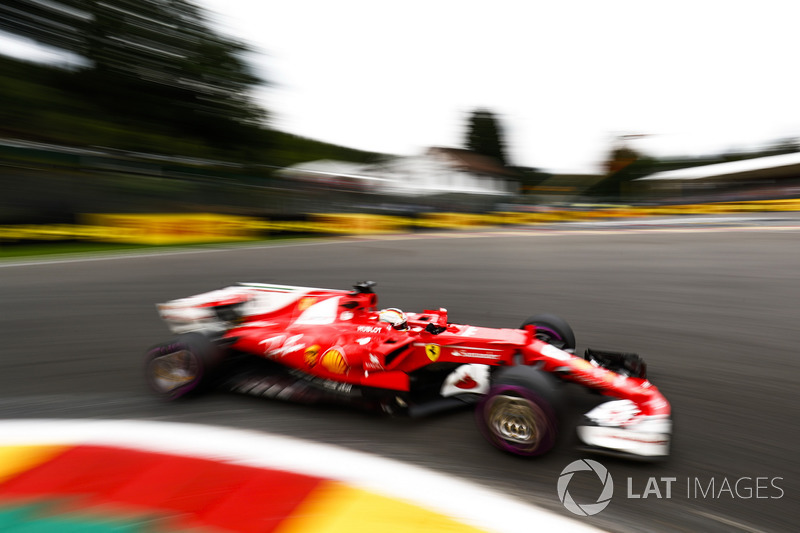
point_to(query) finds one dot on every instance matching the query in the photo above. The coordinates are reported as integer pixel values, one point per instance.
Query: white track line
(163, 252)
(728, 522)
(532, 232)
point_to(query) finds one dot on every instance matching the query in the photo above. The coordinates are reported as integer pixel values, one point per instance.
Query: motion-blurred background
(148, 106)
(159, 121)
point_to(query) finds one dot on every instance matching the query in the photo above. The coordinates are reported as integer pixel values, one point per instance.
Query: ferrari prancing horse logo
(433, 351)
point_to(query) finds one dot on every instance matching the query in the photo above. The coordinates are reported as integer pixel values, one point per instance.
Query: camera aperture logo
(664, 487)
(586, 509)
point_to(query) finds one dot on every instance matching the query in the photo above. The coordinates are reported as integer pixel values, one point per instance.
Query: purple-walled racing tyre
(519, 413)
(553, 330)
(175, 369)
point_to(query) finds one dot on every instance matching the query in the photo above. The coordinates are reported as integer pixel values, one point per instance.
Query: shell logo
(306, 302)
(311, 354)
(333, 361)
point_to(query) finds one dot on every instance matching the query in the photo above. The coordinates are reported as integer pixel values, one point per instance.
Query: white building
(770, 175)
(438, 171)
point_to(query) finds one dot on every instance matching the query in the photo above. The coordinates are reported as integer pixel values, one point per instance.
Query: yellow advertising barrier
(792, 204)
(169, 228)
(161, 229)
(450, 220)
(362, 224)
(52, 232)
(507, 218)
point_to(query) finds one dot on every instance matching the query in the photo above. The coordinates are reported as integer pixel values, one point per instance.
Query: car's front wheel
(553, 330)
(519, 413)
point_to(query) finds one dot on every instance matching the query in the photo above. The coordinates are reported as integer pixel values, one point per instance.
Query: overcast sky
(564, 77)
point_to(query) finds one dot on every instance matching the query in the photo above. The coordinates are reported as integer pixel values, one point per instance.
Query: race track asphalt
(714, 314)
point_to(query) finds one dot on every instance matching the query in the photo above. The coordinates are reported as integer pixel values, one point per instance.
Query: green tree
(623, 165)
(153, 61)
(485, 135)
(60, 24)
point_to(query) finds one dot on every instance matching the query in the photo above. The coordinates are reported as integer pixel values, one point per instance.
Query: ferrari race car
(312, 345)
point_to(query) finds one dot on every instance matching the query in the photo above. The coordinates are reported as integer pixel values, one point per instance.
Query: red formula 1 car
(320, 345)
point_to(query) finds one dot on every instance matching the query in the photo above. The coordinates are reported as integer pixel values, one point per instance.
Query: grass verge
(13, 250)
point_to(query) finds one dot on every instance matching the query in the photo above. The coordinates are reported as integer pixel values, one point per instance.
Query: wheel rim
(173, 371)
(515, 420)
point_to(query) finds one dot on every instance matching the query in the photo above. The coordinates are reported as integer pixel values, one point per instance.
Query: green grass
(13, 250)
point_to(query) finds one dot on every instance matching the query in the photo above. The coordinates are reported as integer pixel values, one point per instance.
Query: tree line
(151, 76)
(154, 76)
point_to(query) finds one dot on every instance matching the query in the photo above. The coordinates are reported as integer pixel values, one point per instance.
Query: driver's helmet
(395, 317)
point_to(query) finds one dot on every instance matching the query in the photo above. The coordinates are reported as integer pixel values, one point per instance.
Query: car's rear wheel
(180, 367)
(518, 415)
(553, 330)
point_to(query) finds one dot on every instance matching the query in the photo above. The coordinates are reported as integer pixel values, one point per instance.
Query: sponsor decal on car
(433, 351)
(280, 346)
(470, 354)
(469, 378)
(272, 343)
(311, 354)
(306, 302)
(466, 383)
(333, 361)
(373, 363)
(369, 329)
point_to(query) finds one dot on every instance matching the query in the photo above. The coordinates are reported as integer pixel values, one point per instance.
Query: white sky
(564, 77)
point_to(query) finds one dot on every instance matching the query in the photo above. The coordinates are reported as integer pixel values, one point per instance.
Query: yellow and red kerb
(93, 486)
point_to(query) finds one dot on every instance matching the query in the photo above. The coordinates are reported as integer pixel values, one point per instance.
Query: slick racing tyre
(552, 330)
(180, 367)
(519, 414)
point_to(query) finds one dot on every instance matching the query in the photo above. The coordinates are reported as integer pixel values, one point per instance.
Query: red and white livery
(322, 345)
